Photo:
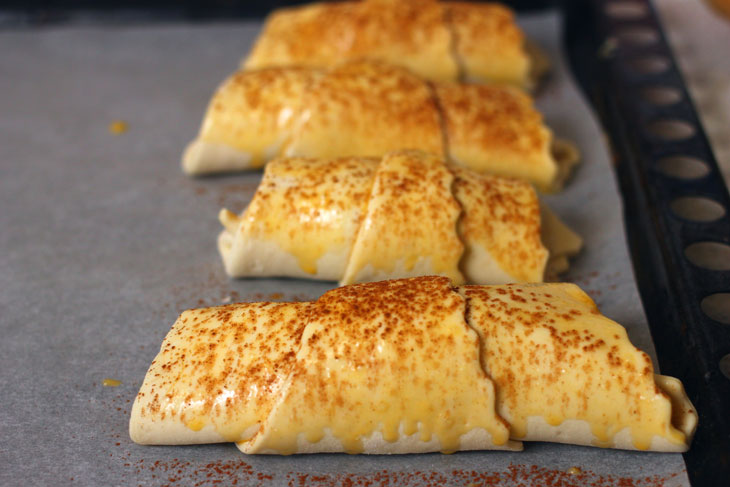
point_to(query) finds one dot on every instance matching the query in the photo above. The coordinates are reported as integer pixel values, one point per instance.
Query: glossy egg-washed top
(310, 212)
(406, 214)
(379, 357)
(366, 109)
(502, 216)
(479, 116)
(551, 353)
(411, 216)
(407, 362)
(488, 43)
(439, 41)
(258, 114)
(219, 368)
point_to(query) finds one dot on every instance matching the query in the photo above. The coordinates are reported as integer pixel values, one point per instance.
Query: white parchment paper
(104, 241)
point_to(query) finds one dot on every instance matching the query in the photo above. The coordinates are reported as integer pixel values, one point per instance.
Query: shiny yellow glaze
(222, 366)
(411, 216)
(118, 127)
(254, 111)
(367, 109)
(488, 43)
(403, 357)
(377, 357)
(496, 130)
(309, 207)
(551, 354)
(196, 424)
(405, 214)
(502, 216)
(409, 34)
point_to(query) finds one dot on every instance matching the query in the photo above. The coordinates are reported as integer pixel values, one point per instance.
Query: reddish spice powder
(177, 472)
(516, 475)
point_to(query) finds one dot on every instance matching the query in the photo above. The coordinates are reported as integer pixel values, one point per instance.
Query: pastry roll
(406, 214)
(409, 227)
(438, 41)
(366, 109)
(248, 120)
(301, 222)
(411, 34)
(498, 131)
(218, 373)
(567, 374)
(409, 366)
(489, 46)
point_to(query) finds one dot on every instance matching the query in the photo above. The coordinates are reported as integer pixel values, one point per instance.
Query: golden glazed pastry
(248, 120)
(438, 41)
(498, 131)
(365, 108)
(405, 214)
(408, 366)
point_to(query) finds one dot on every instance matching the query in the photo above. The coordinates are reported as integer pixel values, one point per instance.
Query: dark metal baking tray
(620, 56)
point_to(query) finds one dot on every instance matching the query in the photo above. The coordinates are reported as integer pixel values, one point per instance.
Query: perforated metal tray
(675, 206)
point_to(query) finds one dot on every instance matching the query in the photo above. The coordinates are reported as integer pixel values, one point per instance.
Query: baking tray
(105, 241)
(675, 206)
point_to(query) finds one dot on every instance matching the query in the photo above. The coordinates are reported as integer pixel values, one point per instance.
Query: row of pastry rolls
(438, 41)
(365, 109)
(405, 366)
(406, 214)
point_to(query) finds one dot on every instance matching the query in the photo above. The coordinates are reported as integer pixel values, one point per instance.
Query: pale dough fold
(248, 120)
(561, 370)
(302, 221)
(409, 366)
(402, 215)
(368, 108)
(217, 373)
(409, 228)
